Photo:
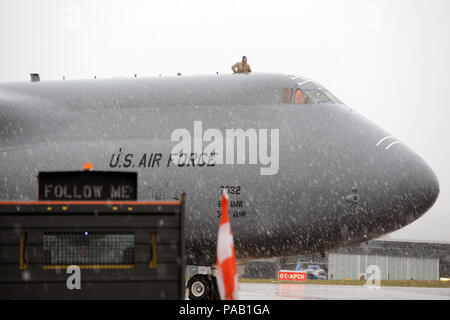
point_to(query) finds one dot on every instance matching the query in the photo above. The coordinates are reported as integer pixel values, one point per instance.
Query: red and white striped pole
(227, 279)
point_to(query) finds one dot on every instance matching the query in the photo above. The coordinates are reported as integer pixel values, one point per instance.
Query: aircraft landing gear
(203, 287)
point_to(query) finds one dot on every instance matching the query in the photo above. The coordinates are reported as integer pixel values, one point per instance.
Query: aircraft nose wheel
(203, 287)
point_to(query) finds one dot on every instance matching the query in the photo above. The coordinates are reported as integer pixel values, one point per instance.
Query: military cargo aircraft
(304, 172)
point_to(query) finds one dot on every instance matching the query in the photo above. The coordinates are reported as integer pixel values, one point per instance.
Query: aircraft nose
(407, 185)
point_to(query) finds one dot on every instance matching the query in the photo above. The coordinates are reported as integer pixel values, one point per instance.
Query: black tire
(202, 287)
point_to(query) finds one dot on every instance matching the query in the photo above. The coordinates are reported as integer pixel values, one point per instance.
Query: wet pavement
(269, 291)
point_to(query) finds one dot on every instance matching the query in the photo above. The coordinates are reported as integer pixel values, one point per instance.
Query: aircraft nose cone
(417, 185)
(409, 185)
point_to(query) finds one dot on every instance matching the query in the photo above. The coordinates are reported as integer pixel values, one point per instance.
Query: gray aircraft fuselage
(339, 180)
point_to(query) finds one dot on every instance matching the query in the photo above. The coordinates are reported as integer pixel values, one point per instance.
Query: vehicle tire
(202, 287)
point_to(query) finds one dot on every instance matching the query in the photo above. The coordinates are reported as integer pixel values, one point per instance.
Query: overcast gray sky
(388, 59)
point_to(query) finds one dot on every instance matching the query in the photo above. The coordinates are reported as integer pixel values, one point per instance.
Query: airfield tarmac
(275, 291)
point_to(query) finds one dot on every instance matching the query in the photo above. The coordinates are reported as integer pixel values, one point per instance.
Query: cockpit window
(318, 96)
(287, 96)
(315, 94)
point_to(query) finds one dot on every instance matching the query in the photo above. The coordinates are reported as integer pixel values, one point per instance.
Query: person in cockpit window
(242, 66)
(300, 97)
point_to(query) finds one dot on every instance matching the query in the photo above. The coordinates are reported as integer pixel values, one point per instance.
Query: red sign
(291, 275)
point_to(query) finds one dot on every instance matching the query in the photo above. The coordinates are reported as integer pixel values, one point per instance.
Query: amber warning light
(87, 166)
